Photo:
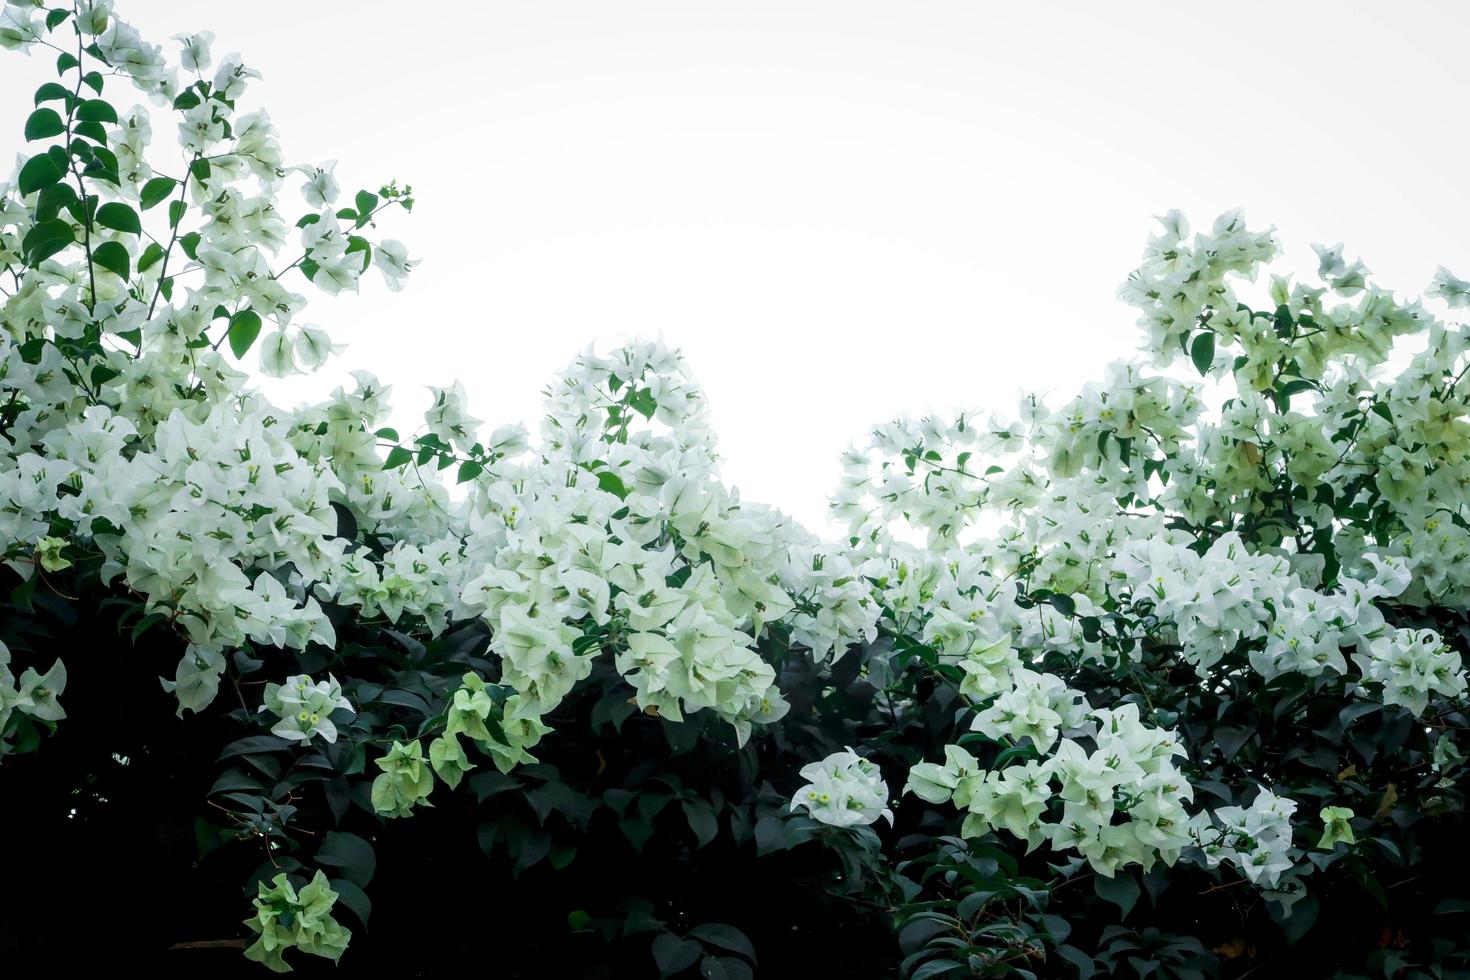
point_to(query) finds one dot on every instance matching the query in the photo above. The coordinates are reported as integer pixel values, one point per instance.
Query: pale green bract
(1336, 826)
(290, 918)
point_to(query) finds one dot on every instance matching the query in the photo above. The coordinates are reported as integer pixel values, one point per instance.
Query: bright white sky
(841, 210)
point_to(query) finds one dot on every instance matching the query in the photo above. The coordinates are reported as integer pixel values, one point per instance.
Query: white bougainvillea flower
(391, 258)
(277, 355)
(194, 53)
(320, 189)
(845, 790)
(304, 707)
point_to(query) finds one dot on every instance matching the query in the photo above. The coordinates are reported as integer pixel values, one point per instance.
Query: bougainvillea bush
(1163, 681)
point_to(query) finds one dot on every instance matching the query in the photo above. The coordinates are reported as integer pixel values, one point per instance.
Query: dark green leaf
(150, 256)
(397, 456)
(642, 401)
(113, 256)
(610, 482)
(156, 190)
(1086, 967)
(673, 954)
(255, 743)
(52, 91)
(96, 110)
(354, 898)
(43, 124)
(726, 937)
(702, 821)
(52, 199)
(1202, 351)
(1121, 890)
(38, 172)
(119, 217)
(92, 130)
(351, 853)
(244, 328)
(45, 239)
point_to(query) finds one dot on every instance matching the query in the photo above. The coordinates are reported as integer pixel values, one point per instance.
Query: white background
(840, 211)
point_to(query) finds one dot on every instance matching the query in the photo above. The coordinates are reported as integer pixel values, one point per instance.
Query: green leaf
(397, 456)
(612, 483)
(349, 852)
(92, 130)
(93, 80)
(52, 199)
(45, 239)
(43, 124)
(244, 328)
(1121, 890)
(1086, 966)
(156, 190)
(119, 217)
(642, 401)
(150, 256)
(673, 954)
(65, 62)
(251, 744)
(51, 92)
(176, 212)
(351, 895)
(113, 256)
(55, 17)
(96, 110)
(365, 201)
(702, 821)
(1202, 351)
(726, 937)
(38, 172)
(190, 244)
(468, 470)
(356, 244)
(200, 169)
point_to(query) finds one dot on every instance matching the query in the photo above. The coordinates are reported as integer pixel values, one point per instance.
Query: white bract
(304, 707)
(845, 790)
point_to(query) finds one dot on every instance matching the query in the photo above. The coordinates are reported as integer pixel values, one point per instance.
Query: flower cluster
(33, 696)
(287, 917)
(1121, 802)
(304, 707)
(1256, 839)
(845, 790)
